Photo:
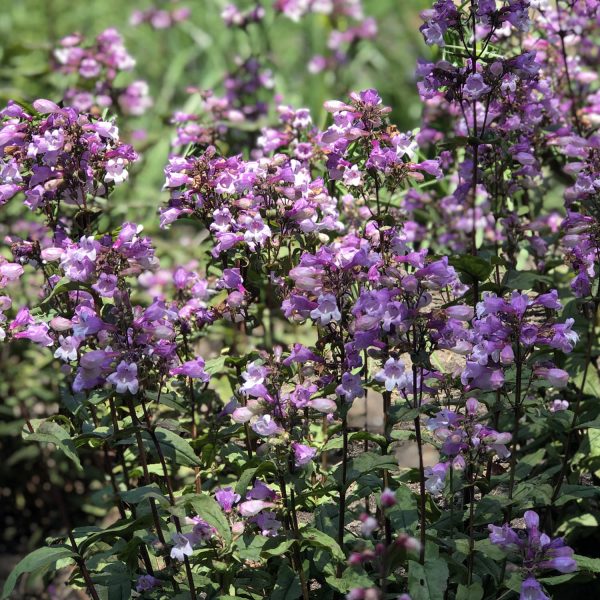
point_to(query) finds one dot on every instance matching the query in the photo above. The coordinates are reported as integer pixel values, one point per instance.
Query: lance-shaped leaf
(318, 539)
(174, 448)
(39, 560)
(209, 510)
(123, 529)
(53, 433)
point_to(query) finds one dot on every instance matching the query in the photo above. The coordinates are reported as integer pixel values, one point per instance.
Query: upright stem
(417, 391)
(387, 403)
(422, 490)
(143, 459)
(84, 570)
(517, 419)
(342, 513)
(197, 480)
(475, 146)
(143, 550)
(303, 581)
(167, 478)
(472, 480)
(79, 558)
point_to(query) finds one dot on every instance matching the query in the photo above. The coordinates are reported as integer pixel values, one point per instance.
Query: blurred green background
(197, 52)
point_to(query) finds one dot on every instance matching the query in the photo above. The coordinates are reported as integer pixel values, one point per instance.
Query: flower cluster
(537, 552)
(160, 18)
(94, 68)
(59, 156)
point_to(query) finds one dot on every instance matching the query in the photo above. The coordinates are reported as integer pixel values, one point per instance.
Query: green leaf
(318, 539)
(560, 579)
(575, 366)
(489, 550)
(472, 268)
(428, 581)
(117, 579)
(215, 365)
(359, 436)
(351, 578)
(209, 510)
(585, 563)
(39, 560)
(524, 280)
(404, 514)
(287, 586)
(174, 447)
(276, 547)
(490, 509)
(367, 462)
(527, 463)
(144, 493)
(53, 433)
(570, 492)
(121, 529)
(63, 286)
(247, 475)
(470, 592)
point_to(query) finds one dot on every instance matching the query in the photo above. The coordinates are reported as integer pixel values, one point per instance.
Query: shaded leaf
(38, 560)
(318, 539)
(51, 432)
(287, 586)
(428, 581)
(209, 510)
(174, 448)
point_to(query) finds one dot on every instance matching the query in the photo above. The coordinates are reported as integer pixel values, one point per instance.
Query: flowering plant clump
(94, 68)
(218, 405)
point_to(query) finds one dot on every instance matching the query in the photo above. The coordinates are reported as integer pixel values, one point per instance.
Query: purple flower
(67, 350)
(231, 279)
(106, 285)
(301, 354)
(267, 523)
(350, 387)
(327, 310)
(436, 478)
(193, 369)
(226, 497)
(37, 333)
(369, 524)
(538, 551)
(261, 491)
(559, 405)
(266, 426)
(257, 232)
(201, 532)
(86, 322)
(254, 377)
(78, 260)
(181, 547)
(393, 375)
(532, 590)
(125, 378)
(475, 87)
(302, 454)
(556, 377)
(251, 508)
(146, 583)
